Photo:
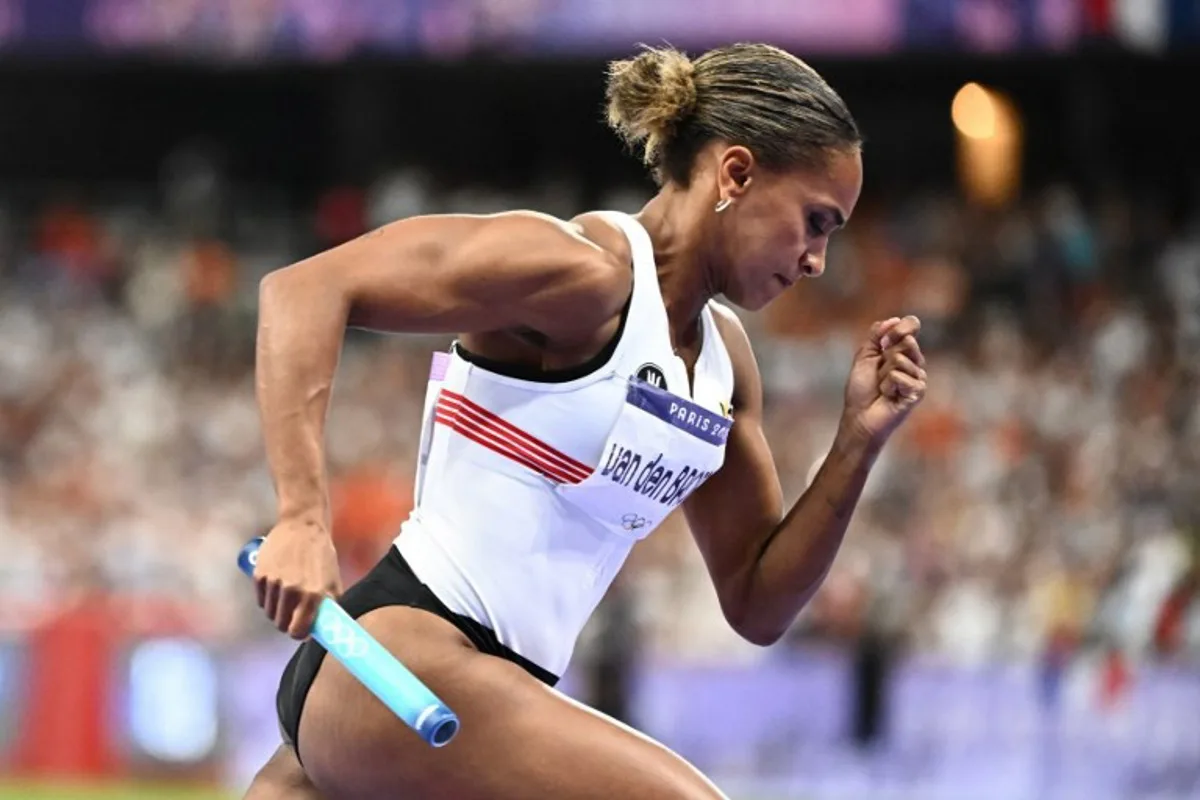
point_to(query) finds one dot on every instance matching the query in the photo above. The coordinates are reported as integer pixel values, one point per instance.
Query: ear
(734, 172)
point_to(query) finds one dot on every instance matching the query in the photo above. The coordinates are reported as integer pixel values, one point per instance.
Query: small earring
(723, 204)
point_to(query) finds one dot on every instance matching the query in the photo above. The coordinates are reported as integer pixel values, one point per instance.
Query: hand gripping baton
(373, 666)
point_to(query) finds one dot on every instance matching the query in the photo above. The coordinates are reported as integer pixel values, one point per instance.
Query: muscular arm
(438, 274)
(766, 564)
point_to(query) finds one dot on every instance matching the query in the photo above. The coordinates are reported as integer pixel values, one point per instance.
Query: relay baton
(373, 666)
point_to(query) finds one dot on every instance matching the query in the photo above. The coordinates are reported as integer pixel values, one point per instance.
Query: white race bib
(661, 448)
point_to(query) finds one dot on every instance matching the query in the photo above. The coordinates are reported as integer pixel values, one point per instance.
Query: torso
(541, 467)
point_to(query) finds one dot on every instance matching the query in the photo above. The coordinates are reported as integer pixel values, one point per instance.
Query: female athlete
(594, 387)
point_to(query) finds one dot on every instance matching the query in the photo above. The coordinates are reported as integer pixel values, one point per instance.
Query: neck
(686, 279)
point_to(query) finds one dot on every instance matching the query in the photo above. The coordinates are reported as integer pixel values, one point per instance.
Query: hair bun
(648, 96)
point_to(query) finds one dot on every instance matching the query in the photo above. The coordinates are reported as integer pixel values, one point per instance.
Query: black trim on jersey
(525, 372)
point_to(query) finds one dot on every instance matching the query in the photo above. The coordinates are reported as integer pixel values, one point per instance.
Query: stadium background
(1016, 612)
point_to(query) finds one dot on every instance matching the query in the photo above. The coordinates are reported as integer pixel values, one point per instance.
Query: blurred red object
(369, 503)
(70, 236)
(67, 695)
(341, 215)
(69, 699)
(211, 274)
(1169, 628)
(1098, 16)
(1116, 679)
(937, 433)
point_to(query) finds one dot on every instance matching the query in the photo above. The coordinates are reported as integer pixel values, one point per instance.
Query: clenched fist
(297, 568)
(887, 379)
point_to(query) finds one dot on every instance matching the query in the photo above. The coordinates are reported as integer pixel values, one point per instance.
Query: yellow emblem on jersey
(726, 410)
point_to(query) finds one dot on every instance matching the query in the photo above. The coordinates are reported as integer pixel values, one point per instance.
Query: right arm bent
(437, 274)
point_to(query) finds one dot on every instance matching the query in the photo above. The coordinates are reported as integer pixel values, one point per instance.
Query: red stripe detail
(503, 427)
(491, 445)
(464, 416)
(500, 447)
(482, 431)
(525, 455)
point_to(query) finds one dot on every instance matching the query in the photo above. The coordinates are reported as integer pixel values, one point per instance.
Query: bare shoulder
(600, 282)
(471, 274)
(570, 276)
(747, 384)
(608, 236)
(581, 249)
(599, 228)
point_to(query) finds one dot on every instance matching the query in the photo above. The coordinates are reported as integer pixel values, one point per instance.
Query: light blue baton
(373, 666)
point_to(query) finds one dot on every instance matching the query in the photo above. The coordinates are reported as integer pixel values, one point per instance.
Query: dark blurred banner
(333, 29)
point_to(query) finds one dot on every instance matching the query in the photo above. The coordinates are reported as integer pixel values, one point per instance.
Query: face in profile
(778, 229)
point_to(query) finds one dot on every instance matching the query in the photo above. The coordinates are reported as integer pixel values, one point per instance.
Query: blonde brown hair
(756, 95)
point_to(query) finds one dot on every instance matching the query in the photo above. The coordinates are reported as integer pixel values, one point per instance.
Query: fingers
(304, 616)
(893, 350)
(271, 600)
(294, 610)
(901, 386)
(897, 361)
(289, 599)
(902, 370)
(910, 348)
(881, 328)
(295, 571)
(896, 332)
(291, 610)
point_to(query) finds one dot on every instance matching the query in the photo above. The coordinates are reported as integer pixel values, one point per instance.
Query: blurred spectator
(1177, 628)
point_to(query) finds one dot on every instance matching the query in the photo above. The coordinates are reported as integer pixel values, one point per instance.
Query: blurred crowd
(1042, 500)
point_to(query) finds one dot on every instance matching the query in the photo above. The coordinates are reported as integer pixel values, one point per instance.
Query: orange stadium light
(974, 112)
(989, 144)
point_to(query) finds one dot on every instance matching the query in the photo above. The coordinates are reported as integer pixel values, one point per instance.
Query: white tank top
(530, 494)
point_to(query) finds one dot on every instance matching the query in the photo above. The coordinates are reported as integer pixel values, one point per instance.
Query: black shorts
(390, 583)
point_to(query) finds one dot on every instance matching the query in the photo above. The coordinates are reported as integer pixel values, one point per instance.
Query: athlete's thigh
(282, 778)
(519, 739)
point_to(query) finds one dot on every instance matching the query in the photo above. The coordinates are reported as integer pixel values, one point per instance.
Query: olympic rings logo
(631, 522)
(344, 641)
